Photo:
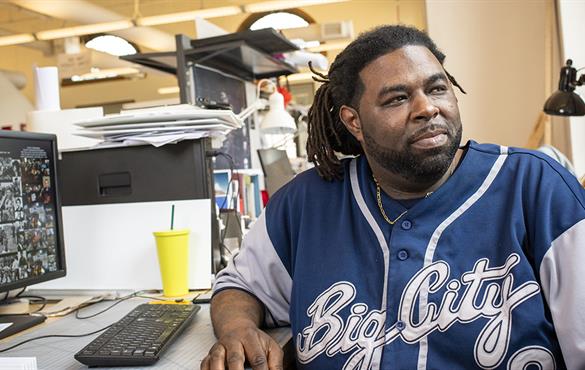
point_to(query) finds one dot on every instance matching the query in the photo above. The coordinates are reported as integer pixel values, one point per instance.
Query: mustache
(431, 128)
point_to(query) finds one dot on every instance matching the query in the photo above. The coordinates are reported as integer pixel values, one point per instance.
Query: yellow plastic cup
(173, 258)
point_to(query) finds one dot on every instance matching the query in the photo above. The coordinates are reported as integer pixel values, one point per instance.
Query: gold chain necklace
(379, 197)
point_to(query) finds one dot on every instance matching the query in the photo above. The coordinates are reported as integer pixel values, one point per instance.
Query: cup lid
(172, 232)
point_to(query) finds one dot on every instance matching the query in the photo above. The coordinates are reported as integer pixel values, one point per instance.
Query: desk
(57, 353)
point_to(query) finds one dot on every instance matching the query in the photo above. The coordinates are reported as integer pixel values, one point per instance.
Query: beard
(425, 167)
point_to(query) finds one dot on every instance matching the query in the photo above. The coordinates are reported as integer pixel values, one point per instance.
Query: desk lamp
(565, 101)
(277, 120)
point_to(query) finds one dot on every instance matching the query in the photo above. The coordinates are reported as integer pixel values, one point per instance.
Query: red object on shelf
(265, 197)
(286, 94)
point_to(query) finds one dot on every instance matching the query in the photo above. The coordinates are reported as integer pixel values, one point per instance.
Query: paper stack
(159, 125)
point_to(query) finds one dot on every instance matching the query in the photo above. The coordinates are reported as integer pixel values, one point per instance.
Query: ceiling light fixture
(20, 38)
(155, 20)
(270, 6)
(113, 45)
(87, 29)
(104, 27)
(104, 74)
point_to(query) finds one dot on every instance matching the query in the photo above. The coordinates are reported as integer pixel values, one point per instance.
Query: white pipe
(85, 12)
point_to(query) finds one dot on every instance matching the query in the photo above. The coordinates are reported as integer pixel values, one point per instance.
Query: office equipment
(60, 123)
(277, 168)
(114, 198)
(215, 68)
(185, 353)
(140, 337)
(31, 233)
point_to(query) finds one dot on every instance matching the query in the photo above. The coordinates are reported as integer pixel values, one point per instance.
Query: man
(416, 254)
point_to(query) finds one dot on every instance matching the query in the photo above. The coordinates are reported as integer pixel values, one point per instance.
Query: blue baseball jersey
(485, 273)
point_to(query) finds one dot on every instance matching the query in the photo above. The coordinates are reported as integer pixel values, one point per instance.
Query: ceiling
(19, 16)
(26, 16)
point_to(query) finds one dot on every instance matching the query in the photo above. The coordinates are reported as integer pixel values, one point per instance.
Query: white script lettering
(363, 333)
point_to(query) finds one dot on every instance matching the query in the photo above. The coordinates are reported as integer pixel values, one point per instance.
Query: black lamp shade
(564, 103)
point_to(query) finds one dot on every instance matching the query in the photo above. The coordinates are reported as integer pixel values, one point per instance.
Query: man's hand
(236, 317)
(247, 342)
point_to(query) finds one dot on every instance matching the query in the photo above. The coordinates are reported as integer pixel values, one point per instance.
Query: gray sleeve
(561, 272)
(258, 269)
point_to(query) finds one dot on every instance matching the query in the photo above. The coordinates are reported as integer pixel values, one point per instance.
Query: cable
(118, 301)
(43, 299)
(232, 166)
(221, 244)
(19, 293)
(227, 200)
(54, 336)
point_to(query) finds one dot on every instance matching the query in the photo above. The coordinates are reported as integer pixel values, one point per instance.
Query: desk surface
(57, 353)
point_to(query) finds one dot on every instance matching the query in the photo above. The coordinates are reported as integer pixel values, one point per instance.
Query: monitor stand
(11, 324)
(12, 321)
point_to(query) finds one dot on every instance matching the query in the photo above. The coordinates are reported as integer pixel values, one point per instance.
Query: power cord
(19, 295)
(118, 301)
(43, 304)
(226, 202)
(54, 336)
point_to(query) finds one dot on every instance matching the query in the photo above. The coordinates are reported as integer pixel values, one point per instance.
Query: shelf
(246, 55)
(267, 40)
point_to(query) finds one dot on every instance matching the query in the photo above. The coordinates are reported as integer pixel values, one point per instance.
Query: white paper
(163, 114)
(18, 363)
(47, 88)
(4, 326)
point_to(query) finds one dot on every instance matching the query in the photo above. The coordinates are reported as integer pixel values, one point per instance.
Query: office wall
(13, 105)
(496, 51)
(571, 16)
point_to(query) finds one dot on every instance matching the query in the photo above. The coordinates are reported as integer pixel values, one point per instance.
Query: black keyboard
(140, 337)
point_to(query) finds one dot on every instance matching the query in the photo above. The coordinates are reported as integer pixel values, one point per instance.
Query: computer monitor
(31, 236)
(276, 167)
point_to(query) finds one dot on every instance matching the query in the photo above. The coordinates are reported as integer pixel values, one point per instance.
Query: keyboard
(140, 337)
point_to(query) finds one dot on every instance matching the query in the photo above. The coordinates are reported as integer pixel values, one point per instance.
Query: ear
(351, 119)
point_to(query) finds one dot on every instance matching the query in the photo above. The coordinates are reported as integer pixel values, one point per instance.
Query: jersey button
(402, 254)
(406, 225)
(400, 325)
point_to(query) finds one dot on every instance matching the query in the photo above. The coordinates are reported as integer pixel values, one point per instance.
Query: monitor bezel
(62, 271)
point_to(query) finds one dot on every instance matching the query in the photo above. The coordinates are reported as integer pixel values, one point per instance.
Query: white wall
(13, 104)
(496, 51)
(572, 22)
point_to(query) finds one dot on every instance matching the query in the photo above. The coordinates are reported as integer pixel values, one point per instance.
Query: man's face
(408, 114)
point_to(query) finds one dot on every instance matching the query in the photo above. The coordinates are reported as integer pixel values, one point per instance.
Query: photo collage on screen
(27, 215)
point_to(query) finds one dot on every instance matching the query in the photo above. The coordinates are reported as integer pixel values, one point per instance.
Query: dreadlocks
(342, 86)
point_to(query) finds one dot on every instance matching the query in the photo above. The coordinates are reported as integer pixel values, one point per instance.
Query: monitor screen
(31, 238)
(276, 167)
